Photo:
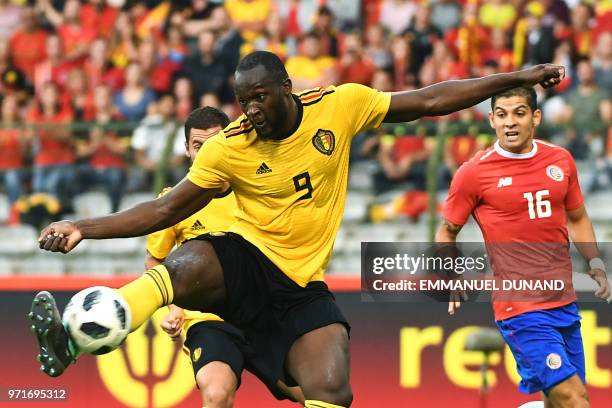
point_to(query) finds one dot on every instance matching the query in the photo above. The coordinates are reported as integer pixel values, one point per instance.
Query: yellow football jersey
(218, 215)
(291, 192)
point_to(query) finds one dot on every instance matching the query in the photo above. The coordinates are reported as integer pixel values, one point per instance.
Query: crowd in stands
(93, 92)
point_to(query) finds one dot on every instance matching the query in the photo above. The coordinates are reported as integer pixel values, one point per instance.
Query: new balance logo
(504, 182)
(263, 169)
(197, 226)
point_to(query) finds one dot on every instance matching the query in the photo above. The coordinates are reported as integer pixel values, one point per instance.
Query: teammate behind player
(218, 369)
(286, 159)
(499, 186)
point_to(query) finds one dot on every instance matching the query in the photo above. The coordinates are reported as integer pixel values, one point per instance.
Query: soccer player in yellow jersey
(286, 160)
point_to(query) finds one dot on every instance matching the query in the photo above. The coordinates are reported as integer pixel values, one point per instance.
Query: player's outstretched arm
(582, 234)
(181, 202)
(447, 232)
(450, 96)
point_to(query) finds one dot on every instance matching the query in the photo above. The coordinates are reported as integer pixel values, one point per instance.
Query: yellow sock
(320, 404)
(147, 294)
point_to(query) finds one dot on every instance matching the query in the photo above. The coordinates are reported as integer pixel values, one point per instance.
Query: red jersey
(520, 199)
(28, 49)
(52, 151)
(11, 150)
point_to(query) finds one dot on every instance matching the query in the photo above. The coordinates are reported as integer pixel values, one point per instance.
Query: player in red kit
(524, 193)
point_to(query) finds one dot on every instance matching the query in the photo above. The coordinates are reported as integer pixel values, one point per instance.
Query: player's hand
(547, 75)
(60, 236)
(456, 297)
(603, 292)
(173, 322)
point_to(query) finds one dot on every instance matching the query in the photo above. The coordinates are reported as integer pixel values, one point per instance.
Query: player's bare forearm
(582, 233)
(451, 96)
(181, 202)
(447, 232)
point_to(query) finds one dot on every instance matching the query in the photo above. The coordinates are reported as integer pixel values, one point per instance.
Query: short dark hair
(526, 92)
(270, 61)
(205, 117)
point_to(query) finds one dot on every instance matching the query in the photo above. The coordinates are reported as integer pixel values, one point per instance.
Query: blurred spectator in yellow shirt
(249, 16)
(310, 69)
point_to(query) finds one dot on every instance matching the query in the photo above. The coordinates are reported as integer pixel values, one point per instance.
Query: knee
(335, 391)
(216, 395)
(572, 398)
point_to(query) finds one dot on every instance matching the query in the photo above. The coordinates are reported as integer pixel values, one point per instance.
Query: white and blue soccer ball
(97, 319)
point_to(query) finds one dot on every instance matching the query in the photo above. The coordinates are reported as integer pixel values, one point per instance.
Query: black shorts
(210, 341)
(271, 309)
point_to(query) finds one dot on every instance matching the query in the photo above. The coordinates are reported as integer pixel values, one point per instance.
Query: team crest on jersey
(324, 141)
(554, 172)
(553, 361)
(197, 353)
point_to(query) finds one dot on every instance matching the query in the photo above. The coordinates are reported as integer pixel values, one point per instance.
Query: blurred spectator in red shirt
(55, 68)
(13, 147)
(104, 150)
(133, 100)
(173, 47)
(582, 33)
(123, 42)
(376, 47)
(76, 96)
(28, 43)
(10, 15)
(99, 69)
(441, 66)
(354, 66)
(53, 172)
(403, 78)
(499, 51)
(467, 41)
(75, 36)
(100, 16)
(158, 70)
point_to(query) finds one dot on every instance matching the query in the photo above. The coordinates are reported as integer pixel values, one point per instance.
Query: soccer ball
(97, 319)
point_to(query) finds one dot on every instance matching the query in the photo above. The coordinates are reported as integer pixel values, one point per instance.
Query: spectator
(602, 60)
(10, 15)
(159, 149)
(76, 96)
(123, 42)
(28, 43)
(445, 15)
(325, 29)
(76, 37)
(54, 150)
(133, 100)
(183, 92)
(210, 99)
(100, 16)
(310, 69)
(13, 147)
(104, 151)
(194, 18)
(99, 69)
(396, 15)
(249, 16)
(174, 48)
(402, 62)
(402, 158)
(228, 39)
(534, 43)
(376, 47)
(441, 66)
(499, 51)
(158, 70)
(354, 66)
(55, 68)
(421, 36)
(208, 72)
(582, 34)
(468, 40)
(273, 39)
(497, 14)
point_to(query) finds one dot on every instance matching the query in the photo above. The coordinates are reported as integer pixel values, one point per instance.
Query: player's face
(197, 137)
(264, 102)
(514, 123)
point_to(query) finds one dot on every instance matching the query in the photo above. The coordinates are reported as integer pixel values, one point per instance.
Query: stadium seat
(18, 240)
(42, 264)
(130, 200)
(5, 208)
(356, 206)
(6, 267)
(91, 266)
(92, 204)
(598, 206)
(118, 247)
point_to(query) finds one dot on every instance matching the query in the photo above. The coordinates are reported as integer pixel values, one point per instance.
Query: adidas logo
(263, 169)
(197, 226)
